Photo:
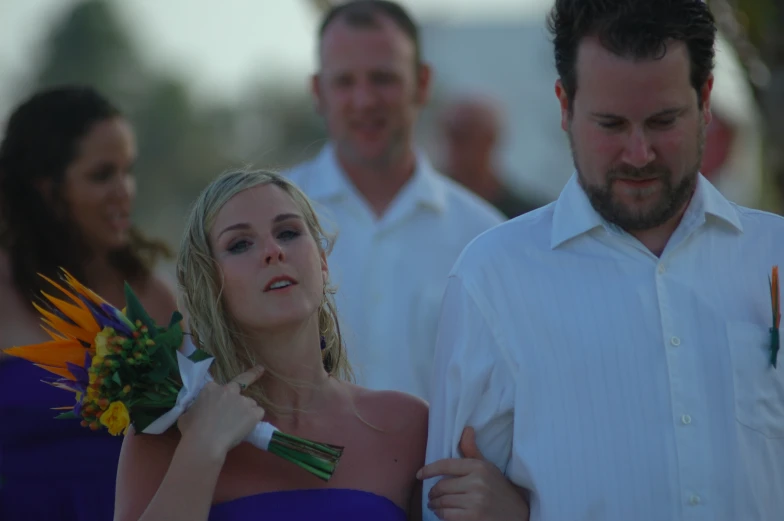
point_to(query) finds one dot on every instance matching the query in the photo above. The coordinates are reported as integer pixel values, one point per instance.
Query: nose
(638, 151)
(124, 187)
(363, 95)
(273, 253)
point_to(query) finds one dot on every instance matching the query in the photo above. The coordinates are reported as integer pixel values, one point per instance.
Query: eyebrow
(246, 226)
(674, 111)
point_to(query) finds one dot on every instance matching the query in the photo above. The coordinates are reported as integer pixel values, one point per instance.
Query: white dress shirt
(391, 272)
(612, 384)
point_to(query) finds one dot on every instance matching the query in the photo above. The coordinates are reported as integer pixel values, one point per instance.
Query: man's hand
(473, 489)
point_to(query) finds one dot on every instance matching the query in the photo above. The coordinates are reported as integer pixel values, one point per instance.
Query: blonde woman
(254, 274)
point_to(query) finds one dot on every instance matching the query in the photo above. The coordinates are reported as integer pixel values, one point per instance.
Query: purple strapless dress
(50, 469)
(332, 504)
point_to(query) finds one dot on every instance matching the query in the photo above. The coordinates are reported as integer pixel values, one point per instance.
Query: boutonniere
(774, 304)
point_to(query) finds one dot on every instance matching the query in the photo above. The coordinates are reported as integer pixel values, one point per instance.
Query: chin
(116, 242)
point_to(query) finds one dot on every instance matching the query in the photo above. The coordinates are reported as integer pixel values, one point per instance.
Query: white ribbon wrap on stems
(195, 376)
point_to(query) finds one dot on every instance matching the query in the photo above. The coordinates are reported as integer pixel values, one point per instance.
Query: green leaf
(156, 397)
(170, 338)
(136, 311)
(116, 378)
(175, 319)
(70, 415)
(199, 355)
(160, 373)
(141, 419)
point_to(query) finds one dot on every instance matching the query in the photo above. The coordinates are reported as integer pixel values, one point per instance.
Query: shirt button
(686, 419)
(662, 269)
(694, 499)
(675, 341)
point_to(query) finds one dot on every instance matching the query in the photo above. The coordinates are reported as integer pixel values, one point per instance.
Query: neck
(295, 379)
(99, 271)
(380, 182)
(656, 239)
(483, 182)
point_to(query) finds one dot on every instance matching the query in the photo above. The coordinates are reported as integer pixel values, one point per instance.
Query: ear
(705, 94)
(563, 101)
(424, 80)
(315, 91)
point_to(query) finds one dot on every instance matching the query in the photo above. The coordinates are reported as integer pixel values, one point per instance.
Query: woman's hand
(220, 417)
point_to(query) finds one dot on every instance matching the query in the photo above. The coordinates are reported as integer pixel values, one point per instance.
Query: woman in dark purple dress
(254, 275)
(66, 192)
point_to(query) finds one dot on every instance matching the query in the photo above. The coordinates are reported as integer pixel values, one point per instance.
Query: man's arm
(472, 386)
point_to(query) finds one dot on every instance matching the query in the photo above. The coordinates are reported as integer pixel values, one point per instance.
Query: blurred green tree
(756, 30)
(178, 151)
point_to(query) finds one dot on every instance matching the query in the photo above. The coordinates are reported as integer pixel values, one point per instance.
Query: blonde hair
(212, 327)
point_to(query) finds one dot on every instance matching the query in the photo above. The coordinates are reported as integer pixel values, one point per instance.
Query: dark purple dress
(50, 469)
(332, 504)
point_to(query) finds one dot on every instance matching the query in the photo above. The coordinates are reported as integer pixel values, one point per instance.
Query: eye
(102, 175)
(239, 246)
(610, 125)
(663, 122)
(383, 78)
(342, 81)
(288, 235)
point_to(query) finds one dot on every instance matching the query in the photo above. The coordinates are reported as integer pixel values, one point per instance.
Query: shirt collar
(573, 214)
(425, 188)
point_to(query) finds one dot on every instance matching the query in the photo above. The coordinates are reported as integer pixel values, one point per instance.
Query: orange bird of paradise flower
(72, 324)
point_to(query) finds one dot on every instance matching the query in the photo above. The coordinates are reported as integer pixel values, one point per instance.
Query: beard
(671, 200)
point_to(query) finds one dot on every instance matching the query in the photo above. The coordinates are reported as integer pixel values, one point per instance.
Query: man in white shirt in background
(400, 224)
(613, 352)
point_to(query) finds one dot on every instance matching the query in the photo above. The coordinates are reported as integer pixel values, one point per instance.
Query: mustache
(630, 172)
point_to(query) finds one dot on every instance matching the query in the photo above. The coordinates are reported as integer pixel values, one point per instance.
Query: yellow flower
(102, 342)
(116, 418)
(97, 361)
(92, 394)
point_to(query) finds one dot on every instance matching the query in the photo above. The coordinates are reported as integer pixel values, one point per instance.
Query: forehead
(619, 85)
(257, 205)
(108, 137)
(347, 47)
(475, 115)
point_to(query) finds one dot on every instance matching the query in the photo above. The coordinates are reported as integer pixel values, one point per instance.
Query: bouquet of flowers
(126, 370)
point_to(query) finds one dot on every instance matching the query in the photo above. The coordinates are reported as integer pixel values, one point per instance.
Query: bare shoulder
(6, 280)
(144, 461)
(19, 324)
(158, 297)
(396, 423)
(393, 411)
(148, 449)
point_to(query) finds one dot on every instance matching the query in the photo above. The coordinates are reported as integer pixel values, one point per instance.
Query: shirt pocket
(759, 387)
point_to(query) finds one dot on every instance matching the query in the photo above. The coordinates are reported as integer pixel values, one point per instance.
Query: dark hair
(638, 29)
(41, 141)
(365, 13)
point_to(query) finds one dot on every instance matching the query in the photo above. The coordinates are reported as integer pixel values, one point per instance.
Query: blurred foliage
(756, 30)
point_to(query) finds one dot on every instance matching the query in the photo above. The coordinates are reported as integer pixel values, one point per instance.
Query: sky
(219, 47)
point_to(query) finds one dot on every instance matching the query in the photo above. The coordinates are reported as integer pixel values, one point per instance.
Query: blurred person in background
(66, 195)
(400, 223)
(470, 132)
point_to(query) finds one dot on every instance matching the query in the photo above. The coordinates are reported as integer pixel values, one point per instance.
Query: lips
(369, 128)
(119, 220)
(279, 282)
